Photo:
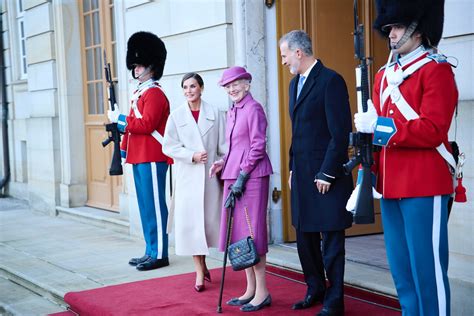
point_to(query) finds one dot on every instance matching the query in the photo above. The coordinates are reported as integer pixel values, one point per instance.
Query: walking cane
(229, 204)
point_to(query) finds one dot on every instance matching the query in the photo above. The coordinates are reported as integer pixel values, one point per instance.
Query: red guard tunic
(409, 164)
(139, 144)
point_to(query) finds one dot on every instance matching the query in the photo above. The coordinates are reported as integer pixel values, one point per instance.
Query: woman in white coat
(195, 137)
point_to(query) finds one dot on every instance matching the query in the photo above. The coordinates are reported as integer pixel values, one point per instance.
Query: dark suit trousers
(317, 258)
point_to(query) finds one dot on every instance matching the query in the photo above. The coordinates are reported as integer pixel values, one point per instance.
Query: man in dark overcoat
(321, 122)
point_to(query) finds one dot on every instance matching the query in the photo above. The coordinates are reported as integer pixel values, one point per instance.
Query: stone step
(361, 275)
(281, 255)
(18, 300)
(96, 217)
(378, 280)
(40, 276)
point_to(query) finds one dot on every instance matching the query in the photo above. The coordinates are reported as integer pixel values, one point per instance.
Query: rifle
(362, 142)
(111, 128)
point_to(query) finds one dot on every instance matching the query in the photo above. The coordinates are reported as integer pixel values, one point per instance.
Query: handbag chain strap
(247, 218)
(248, 221)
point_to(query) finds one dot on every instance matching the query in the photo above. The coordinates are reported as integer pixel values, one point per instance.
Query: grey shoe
(236, 302)
(254, 308)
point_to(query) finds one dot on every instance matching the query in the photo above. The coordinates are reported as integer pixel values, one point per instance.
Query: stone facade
(46, 119)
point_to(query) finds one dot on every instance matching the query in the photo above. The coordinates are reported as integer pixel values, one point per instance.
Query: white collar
(146, 84)
(142, 87)
(410, 57)
(306, 73)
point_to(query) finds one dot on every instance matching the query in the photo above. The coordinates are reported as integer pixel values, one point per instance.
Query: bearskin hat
(428, 13)
(145, 48)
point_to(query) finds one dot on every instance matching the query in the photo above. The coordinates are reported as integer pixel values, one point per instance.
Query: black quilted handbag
(243, 253)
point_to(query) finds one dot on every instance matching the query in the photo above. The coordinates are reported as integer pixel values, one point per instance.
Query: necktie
(300, 85)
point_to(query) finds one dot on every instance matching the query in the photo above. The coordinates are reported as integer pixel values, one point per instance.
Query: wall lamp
(269, 3)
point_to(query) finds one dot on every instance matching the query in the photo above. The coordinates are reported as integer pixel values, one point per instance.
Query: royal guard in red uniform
(141, 145)
(414, 99)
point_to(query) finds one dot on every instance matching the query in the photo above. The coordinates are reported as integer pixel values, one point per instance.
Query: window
(21, 39)
(98, 34)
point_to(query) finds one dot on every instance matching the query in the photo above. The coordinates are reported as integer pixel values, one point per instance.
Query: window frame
(92, 47)
(21, 40)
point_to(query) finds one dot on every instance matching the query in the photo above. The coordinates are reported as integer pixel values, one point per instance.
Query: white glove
(351, 203)
(113, 115)
(365, 121)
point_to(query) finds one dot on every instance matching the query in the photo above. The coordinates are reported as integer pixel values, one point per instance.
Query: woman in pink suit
(246, 171)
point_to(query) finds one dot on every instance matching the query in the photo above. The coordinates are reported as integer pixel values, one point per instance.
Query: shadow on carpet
(175, 295)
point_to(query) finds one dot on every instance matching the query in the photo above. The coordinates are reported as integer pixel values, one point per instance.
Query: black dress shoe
(152, 263)
(236, 302)
(331, 311)
(253, 308)
(136, 261)
(309, 300)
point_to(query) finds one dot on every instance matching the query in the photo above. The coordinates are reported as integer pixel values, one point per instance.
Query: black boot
(136, 261)
(152, 263)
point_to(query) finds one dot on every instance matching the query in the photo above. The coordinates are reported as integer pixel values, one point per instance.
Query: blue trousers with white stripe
(416, 239)
(150, 184)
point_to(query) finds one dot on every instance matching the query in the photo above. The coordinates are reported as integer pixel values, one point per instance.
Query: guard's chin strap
(408, 33)
(144, 73)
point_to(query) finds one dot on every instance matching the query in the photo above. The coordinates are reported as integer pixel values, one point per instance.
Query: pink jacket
(245, 135)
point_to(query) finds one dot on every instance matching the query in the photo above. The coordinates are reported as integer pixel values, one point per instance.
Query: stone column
(42, 137)
(249, 44)
(73, 182)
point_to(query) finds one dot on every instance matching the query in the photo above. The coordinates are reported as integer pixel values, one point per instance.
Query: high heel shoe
(207, 276)
(199, 288)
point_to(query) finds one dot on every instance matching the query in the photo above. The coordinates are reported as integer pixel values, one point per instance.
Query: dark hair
(194, 75)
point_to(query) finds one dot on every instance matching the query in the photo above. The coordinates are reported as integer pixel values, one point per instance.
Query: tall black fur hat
(145, 48)
(428, 13)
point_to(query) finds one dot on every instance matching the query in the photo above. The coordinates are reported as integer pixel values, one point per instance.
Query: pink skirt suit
(245, 135)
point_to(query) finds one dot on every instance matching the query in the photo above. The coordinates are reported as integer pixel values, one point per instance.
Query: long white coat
(197, 199)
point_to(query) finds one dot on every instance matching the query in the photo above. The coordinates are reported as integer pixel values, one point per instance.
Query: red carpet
(174, 295)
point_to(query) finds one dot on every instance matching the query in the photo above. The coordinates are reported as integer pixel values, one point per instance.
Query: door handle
(276, 194)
